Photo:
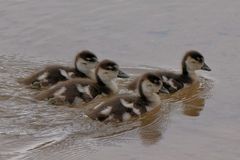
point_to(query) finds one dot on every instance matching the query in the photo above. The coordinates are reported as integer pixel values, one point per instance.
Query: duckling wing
(70, 89)
(118, 108)
(50, 74)
(58, 73)
(49, 92)
(171, 81)
(32, 78)
(80, 88)
(66, 72)
(87, 86)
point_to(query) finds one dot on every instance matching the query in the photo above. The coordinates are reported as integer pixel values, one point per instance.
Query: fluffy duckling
(85, 61)
(192, 61)
(77, 90)
(124, 107)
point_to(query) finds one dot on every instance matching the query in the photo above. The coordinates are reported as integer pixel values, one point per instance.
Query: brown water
(200, 122)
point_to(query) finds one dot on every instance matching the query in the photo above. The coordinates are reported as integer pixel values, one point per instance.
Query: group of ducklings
(90, 78)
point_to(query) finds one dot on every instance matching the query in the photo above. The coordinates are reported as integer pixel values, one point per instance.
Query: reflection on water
(29, 127)
(192, 98)
(153, 124)
(194, 107)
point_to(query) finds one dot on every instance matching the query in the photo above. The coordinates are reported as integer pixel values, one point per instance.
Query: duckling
(85, 61)
(124, 107)
(191, 62)
(78, 90)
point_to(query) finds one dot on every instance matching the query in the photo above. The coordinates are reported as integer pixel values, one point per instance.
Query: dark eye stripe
(199, 59)
(154, 80)
(112, 68)
(90, 59)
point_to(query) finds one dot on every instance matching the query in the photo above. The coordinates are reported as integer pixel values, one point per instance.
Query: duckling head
(149, 84)
(107, 71)
(193, 61)
(85, 61)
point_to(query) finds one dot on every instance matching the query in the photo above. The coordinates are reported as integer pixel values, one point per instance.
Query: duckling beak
(205, 67)
(121, 74)
(164, 90)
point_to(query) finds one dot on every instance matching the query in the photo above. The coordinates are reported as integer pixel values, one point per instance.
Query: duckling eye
(156, 82)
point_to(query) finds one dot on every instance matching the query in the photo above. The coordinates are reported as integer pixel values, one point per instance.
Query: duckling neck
(91, 75)
(152, 99)
(81, 69)
(81, 74)
(107, 86)
(188, 75)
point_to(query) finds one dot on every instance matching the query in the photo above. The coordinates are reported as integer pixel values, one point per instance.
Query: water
(200, 122)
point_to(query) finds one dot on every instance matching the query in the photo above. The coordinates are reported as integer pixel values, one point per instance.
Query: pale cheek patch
(91, 65)
(43, 76)
(106, 75)
(192, 64)
(102, 74)
(188, 61)
(147, 87)
(106, 111)
(80, 66)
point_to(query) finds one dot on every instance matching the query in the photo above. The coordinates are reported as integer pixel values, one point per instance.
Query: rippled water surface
(199, 122)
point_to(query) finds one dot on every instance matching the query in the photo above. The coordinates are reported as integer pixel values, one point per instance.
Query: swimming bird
(85, 61)
(124, 107)
(191, 62)
(77, 90)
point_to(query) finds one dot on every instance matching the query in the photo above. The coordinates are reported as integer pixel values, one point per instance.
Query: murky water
(199, 122)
